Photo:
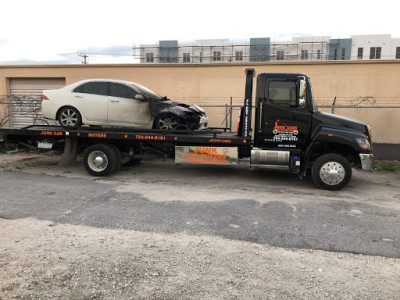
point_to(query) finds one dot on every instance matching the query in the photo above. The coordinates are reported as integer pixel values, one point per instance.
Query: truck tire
(119, 157)
(331, 172)
(100, 159)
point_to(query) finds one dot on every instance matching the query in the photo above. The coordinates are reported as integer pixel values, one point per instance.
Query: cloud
(3, 42)
(116, 50)
(110, 54)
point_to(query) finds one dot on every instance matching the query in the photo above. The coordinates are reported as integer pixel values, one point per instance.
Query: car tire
(100, 159)
(167, 122)
(69, 117)
(331, 172)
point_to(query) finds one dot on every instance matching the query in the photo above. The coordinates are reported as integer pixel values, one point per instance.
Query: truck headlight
(363, 143)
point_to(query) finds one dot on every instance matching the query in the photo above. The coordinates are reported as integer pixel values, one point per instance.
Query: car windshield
(146, 92)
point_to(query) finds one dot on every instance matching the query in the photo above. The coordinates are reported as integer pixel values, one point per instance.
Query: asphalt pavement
(326, 224)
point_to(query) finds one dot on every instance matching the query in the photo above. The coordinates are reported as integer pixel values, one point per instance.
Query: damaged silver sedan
(119, 103)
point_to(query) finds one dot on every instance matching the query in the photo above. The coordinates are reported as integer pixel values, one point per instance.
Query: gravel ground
(76, 262)
(42, 259)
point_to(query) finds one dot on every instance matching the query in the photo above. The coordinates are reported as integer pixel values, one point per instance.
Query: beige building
(374, 82)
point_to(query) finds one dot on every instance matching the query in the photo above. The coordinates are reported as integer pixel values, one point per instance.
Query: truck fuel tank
(269, 157)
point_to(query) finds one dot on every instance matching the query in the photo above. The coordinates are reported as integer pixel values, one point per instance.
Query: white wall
(385, 41)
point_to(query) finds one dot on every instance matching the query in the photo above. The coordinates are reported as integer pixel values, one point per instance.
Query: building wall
(260, 49)
(340, 45)
(385, 41)
(209, 84)
(168, 52)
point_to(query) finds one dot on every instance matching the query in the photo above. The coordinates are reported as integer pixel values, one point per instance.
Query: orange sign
(206, 155)
(97, 135)
(55, 133)
(282, 127)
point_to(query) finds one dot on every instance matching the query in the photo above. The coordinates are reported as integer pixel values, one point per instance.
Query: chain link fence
(24, 110)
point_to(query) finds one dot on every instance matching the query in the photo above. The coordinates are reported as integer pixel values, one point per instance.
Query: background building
(381, 46)
(264, 49)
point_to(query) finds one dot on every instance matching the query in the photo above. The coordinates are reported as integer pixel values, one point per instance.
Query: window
(280, 55)
(375, 53)
(378, 52)
(343, 53)
(304, 54)
(149, 57)
(397, 52)
(282, 93)
(319, 54)
(94, 88)
(335, 54)
(122, 91)
(360, 53)
(216, 55)
(186, 57)
(239, 56)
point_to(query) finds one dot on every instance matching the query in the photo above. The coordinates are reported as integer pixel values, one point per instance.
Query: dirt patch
(76, 262)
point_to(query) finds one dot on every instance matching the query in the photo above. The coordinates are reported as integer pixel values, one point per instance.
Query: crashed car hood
(168, 105)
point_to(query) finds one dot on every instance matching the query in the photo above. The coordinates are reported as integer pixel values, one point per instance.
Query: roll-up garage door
(26, 97)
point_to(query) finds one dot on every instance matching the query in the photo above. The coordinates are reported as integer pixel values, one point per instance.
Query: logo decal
(284, 133)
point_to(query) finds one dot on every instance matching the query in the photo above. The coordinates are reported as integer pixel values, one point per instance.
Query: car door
(124, 109)
(91, 100)
(282, 124)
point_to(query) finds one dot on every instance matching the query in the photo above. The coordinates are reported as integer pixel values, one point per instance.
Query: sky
(56, 31)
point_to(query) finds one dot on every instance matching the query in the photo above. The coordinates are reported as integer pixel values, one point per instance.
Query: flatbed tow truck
(289, 133)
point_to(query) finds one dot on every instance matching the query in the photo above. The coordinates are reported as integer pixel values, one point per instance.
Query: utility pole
(84, 57)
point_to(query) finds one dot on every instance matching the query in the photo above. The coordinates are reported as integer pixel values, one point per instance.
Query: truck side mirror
(302, 93)
(302, 89)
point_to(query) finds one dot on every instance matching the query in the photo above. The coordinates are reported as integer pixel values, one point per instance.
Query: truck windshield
(314, 107)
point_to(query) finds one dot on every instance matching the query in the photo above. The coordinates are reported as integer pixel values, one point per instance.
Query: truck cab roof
(281, 75)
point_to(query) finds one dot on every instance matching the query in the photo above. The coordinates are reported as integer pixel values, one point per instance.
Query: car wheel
(331, 172)
(100, 159)
(167, 122)
(69, 117)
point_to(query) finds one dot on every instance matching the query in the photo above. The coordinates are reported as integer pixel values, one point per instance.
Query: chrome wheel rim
(69, 117)
(332, 173)
(97, 161)
(168, 123)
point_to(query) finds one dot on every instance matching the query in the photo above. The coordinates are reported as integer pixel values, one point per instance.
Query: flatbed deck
(203, 137)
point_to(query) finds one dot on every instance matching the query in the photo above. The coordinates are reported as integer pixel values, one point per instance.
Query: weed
(387, 165)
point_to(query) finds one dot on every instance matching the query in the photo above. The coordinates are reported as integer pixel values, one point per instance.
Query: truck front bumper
(367, 161)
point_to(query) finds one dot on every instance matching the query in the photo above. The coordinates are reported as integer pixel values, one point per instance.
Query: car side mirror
(139, 97)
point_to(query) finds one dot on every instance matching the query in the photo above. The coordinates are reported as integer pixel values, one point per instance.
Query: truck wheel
(119, 157)
(69, 117)
(331, 172)
(100, 159)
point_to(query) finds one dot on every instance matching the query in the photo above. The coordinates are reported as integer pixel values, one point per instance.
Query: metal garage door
(26, 97)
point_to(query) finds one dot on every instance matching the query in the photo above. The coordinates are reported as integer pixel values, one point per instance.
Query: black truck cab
(290, 131)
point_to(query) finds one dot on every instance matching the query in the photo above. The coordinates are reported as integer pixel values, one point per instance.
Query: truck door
(280, 122)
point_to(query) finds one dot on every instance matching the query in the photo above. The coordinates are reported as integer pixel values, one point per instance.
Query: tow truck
(289, 133)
